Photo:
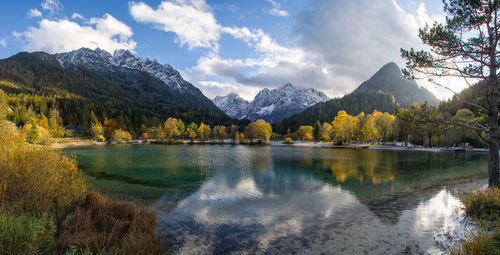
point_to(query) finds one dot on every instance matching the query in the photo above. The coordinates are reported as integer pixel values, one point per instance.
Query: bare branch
(461, 124)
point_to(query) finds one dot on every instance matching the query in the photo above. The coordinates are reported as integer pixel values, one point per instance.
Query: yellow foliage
(204, 131)
(305, 133)
(121, 136)
(260, 130)
(33, 178)
(172, 128)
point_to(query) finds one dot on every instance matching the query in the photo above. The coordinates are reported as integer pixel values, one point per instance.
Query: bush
(100, 225)
(35, 178)
(121, 136)
(36, 134)
(288, 140)
(26, 234)
(483, 204)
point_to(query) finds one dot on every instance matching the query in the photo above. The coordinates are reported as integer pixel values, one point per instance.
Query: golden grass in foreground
(100, 225)
(45, 207)
(35, 179)
(481, 242)
(482, 206)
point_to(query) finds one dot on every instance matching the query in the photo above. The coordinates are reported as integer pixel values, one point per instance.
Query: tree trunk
(493, 160)
(493, 136)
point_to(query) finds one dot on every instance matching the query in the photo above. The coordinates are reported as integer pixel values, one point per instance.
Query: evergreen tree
(466, 46)
(317, 130)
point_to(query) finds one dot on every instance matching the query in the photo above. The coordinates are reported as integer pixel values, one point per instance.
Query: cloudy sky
(224, 46)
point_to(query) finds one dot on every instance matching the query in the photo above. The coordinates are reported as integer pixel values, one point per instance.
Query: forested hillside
(128, 99)
(385, 91)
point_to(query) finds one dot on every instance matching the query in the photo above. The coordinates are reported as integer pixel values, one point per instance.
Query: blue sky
(232, 46)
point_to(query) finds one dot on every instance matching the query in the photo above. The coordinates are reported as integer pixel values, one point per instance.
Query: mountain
(123, 61)
(385, 91)
(270, 105)
(125, 89)
(389, 79)
(233, 105)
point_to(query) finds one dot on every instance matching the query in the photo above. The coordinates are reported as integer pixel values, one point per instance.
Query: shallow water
(281, 200)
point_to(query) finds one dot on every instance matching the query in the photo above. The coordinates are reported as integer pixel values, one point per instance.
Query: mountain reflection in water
(279, 200)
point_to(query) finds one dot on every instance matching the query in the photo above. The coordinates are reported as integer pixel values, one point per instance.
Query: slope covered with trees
(385, 91)
(128, 99)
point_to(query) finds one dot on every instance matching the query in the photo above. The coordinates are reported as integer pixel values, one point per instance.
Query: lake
(223, 199)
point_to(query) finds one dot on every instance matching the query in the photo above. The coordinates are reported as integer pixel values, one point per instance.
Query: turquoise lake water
(222, 199)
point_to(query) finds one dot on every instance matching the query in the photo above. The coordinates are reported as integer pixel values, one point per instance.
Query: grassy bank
(46, 208)
(483, 207)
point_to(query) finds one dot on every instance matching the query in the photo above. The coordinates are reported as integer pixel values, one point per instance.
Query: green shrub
(26, 234)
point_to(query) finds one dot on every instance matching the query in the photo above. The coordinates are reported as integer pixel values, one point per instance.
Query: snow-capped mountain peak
(270, 105)
(123, 60)
(235, 106)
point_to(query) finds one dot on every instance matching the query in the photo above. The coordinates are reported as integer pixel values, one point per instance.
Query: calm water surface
(282, 200)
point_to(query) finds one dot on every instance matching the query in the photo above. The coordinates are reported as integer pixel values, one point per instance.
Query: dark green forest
(132, 99)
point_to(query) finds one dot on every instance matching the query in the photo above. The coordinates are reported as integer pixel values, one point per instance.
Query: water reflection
(280, 200)
(365, 165)
(299, 214)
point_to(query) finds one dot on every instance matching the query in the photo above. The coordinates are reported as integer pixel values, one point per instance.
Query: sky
(224, 46)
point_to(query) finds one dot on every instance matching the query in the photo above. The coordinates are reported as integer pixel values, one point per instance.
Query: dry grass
(35, 179)
(483, 204)
(484, 207)
(481, 242)
(100, 225)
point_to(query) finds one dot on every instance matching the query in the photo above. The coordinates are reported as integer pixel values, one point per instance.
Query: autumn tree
(156, 133)
(121, 136)
(384, 125)
(466, 46)
(365, 130)
(204, 131)
(305, 133)
(344, 126)
(97, 132)
(191, 130)
(326, 132)
(3, 105)
(260, 130)
(220, 132)
(171, 127)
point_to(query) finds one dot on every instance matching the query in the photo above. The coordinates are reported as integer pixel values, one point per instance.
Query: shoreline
(63, 143)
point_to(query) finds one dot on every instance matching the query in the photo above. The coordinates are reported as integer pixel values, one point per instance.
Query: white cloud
(53, 6)
(3, 42)
(191, 20)
(276, 9)
(335, 44)
(353, 39)
(64, 35)
(77, 16)
(423, 17)
(32, 13)
(212, 89)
